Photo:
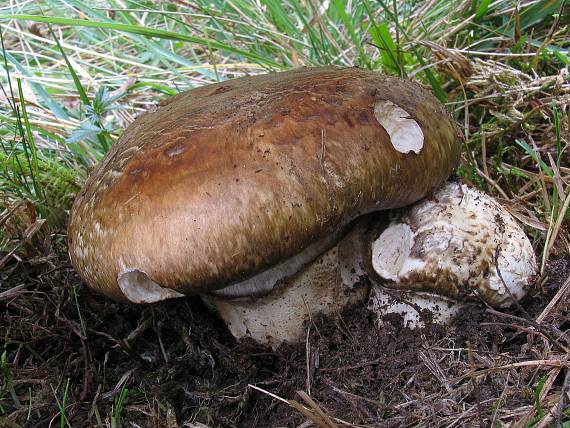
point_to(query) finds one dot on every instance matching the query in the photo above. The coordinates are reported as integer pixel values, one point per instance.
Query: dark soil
(181, 366)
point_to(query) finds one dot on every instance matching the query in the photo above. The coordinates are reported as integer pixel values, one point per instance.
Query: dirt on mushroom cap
(225, 181)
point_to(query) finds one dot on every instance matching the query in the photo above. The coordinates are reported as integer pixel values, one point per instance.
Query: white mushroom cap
(457, 244)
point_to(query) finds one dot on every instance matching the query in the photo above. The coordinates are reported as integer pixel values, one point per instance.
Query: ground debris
(179, 365)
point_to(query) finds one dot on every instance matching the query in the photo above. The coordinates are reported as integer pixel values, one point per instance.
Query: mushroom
(457, 244)
(232, 189)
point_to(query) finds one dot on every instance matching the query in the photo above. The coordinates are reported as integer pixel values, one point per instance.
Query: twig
(86, 370)
(352, 367)
(28, 234)
(308, 359)
(557, 297)
(563, 399)
(305, 411)
(329, 423)
(465, 413)
(556, 227)
(476, 390)
(537, 326)
(500, 399)
(484, 154)
(547, 363)
(15, 208)
(12, 292)
(435, 369)
(528, 319)
(526, 419)
(355, 396)
(555, 412)
(528, 330)
(493, 183)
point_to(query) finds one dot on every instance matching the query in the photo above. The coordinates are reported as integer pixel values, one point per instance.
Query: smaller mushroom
(458, 244)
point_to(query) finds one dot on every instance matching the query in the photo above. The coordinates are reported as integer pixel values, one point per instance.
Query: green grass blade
(80, 90)
(38, 89)
(537, 390)
(388, 51)
(82, 94)
(532, 153)
(166, 90)
(119, 406)
(319, 47)
(12, 107)
(537, 13)
(280, 17)
(166, 56)
(29, 145)
(340, 6)
(556, 124)
(482, 9)
(437, 89)
(565, 59)
(147, 32)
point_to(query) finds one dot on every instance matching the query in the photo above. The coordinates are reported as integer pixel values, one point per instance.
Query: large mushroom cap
(227, 180)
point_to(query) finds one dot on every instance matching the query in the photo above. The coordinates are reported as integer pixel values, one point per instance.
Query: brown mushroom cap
(227, 180)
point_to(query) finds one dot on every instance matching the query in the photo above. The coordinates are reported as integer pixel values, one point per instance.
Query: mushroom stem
(416, 309)
(329, 284)
(281, 315)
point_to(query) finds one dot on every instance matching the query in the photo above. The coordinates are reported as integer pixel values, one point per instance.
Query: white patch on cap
(391, 250)
(139, 288)
(405, 133)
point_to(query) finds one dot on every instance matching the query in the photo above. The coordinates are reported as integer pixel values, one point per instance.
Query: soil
(181, 366)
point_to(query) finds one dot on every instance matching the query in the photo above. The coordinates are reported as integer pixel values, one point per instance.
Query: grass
(76, 73)
(119, 405)
(7, 386)
(63, 422)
